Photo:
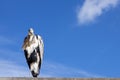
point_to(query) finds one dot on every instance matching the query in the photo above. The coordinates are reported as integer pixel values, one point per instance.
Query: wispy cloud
(11, 69)
(51, 69)
(16, 66)
(6, 41)
(10, 59)
(94, 8)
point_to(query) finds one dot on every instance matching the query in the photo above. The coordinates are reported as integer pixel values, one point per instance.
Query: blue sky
(81, 37)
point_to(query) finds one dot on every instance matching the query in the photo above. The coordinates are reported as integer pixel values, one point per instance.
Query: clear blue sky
(81, 37)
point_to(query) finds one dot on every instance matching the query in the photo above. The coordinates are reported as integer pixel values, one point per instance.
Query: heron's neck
(30, 37)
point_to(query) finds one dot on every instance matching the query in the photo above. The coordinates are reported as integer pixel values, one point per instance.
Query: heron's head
(30, 31)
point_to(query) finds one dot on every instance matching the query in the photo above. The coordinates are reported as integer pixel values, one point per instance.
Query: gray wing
(40, 50)
(41, 47)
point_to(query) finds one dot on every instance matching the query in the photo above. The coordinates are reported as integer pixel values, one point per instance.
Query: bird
(33, 48)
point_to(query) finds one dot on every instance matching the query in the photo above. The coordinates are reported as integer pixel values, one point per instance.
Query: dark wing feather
(38, 52)
(27, 60)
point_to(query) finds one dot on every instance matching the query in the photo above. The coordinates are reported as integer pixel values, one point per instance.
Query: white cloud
(94, 8)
